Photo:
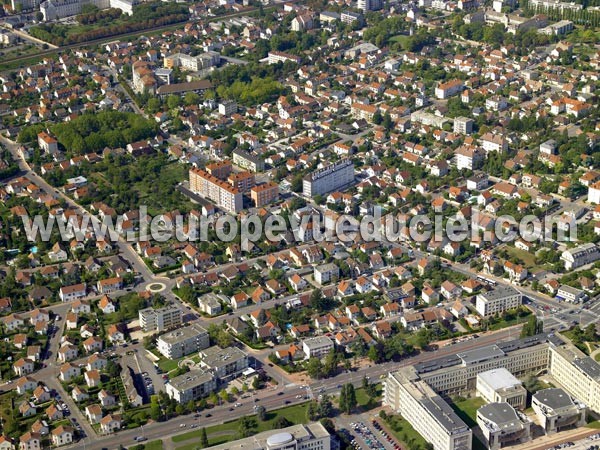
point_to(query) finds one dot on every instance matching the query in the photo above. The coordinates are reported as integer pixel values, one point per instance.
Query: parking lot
(369, 435)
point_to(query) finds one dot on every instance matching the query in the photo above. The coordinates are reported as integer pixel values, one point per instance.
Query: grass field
(229, 430)
(404, 432)
(526, 257)
(467, 409)
(365, 402)
(154, 445)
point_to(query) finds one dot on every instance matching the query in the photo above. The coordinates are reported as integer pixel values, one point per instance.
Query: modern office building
(328, 179)
(577, 373)
(410, 396)
(502, 425)
(183, 341)
(219, 191)
(312, 436)
(193, 63)
(159, 319)
(498, 300)
(557, 410)
(501, 386)
(192, 385)
(458, 373)
(317, 347)
(225, 363)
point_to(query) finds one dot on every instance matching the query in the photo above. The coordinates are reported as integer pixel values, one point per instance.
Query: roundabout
(156, 287)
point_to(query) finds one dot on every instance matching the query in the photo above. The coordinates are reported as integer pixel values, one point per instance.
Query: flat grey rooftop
(481, 354)
(499, 413)
(554, 398)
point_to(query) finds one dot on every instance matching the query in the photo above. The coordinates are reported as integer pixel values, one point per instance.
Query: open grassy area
(229, 430)
(153, 445)
(404, 432)
(467, 409)
(365, 402)
(526, 257)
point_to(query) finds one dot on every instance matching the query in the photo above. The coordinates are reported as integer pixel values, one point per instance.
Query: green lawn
(295, 414)
(467, 409)
(365, 402)
(401, 38)
(404, 432)
(594, 424)
(526, 257)
(154, 445)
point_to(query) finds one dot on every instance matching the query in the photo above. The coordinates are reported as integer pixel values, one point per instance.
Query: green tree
(203, 438)
(314, 368)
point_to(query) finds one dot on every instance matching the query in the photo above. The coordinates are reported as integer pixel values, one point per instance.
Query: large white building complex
(498, 300)
(577, 373)
(58, 9)
(328, 179)
(426, 411)
(414, 391)
(312, 436)
(458, 373)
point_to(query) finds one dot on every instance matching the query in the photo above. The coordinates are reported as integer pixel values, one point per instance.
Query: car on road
(208, 415)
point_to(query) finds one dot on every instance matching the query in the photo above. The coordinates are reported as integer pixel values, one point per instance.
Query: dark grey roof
(481, 354)
(554, 398)
(588, 366)
(444, 414)
(485, 352)
(499, 413)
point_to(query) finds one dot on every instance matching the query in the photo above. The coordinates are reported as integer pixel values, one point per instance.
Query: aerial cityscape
(300, 225)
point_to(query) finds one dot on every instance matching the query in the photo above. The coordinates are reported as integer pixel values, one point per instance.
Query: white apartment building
(500, 299)
(316, 347)
(225, 363)
(192, 385)
(183, 341)
(463, 125)
(577, 373)
(426, 411)
(227, 108)
(594, 193)
(557, 410)
(160, 319)
(469, 158)
(580, 256)
(312, 436)
(328, 179)
(501, 386)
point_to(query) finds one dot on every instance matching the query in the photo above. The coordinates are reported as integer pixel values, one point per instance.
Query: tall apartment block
(328, 179)
(219, 191)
